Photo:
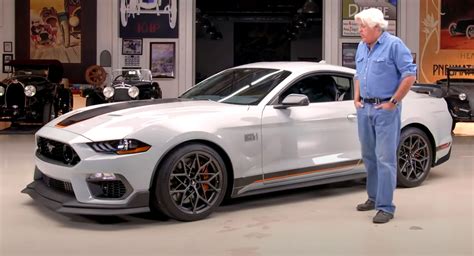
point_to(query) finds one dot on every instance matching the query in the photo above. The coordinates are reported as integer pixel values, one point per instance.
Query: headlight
(462, 96)
(108, 92)
(120, 147)
(133, 92)
(2, 91)
(30, 90)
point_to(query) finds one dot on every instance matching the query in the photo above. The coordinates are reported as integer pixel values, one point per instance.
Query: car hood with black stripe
(117, 120)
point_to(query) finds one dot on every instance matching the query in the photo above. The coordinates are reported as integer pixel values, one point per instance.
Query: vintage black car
(126, 84)
(463, 27)
(32, 93)
(458, 93)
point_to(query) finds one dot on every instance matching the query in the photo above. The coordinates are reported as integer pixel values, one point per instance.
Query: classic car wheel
(414, 157)
(190, 183)
(470, 31)
(173, 11)
(452, 29)
(124, 14)
(95, 75)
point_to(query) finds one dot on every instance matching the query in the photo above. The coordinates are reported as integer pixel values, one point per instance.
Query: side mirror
(293, 100)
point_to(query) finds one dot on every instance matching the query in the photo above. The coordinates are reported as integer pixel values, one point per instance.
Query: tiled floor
(433, 219)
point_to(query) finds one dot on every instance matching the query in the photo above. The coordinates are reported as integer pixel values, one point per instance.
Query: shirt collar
(381, 39)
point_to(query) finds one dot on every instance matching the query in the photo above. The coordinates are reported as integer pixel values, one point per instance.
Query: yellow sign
(446, 38)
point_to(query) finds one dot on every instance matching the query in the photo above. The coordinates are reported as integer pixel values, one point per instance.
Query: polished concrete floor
(433, 219)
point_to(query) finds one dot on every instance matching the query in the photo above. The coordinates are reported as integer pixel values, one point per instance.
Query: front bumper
(64, 202)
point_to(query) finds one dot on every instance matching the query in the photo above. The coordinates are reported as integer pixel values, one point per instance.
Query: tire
(49, 113)
(123, 13)
(453, 126)
(452, 29)
(90, 101)
(190, 183)
(414, 157)
(173, 13)
(470, 32)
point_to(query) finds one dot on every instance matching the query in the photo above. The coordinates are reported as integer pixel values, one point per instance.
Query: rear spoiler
(434, 90)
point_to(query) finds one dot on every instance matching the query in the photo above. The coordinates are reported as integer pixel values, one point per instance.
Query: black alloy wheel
(414, 157)
(191, 182)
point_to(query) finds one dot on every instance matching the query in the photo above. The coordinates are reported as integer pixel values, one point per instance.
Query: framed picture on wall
(348, 54)
(5, 60)
(163, 59)
(132, 46)
(7, 46)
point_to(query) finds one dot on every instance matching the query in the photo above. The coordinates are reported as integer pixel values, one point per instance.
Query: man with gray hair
(384, 74)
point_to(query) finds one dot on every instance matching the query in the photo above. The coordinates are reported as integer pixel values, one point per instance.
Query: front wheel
(191, 183)
(414, 157)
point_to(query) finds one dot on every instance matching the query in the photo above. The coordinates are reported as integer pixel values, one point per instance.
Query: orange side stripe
(304, 173)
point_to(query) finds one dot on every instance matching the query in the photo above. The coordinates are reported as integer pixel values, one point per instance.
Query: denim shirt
(381, 69)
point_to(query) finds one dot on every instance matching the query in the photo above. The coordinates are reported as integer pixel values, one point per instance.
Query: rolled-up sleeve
(403, 60)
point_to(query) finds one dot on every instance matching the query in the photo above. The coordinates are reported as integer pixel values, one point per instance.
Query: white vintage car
(250, 129)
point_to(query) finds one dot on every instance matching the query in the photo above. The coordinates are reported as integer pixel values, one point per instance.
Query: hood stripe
(108, 108)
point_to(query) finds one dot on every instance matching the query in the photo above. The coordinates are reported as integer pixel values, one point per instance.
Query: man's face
(369, 35)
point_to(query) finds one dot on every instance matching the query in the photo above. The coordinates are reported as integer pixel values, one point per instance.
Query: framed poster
(350, 8)
(132, 46)
(348, 54)
(5, 59)
(162, 59)
(7, 47)
(40, 24)
(148, 19)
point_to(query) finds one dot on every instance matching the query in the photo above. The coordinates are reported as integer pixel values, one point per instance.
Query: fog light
(102, 176)
(2, 91)
(108, 92)
(462, 96)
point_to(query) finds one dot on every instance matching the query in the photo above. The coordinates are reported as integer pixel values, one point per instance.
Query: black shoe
(367, 206)
(382, 217)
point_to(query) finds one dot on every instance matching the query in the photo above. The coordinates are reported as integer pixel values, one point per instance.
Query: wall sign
(351, 7)
(148, 19)
(445, 38)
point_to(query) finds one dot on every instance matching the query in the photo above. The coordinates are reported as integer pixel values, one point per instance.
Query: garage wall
(107, 37)
(408, 28)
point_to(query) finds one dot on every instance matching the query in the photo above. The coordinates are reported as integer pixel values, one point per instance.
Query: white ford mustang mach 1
(250, 129)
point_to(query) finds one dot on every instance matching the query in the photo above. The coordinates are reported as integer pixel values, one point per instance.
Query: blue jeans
(379, 135)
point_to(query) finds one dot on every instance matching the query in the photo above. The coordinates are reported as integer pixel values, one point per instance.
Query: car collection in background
(458, 93)
(33, 94)
(247, 130)
(126, 84)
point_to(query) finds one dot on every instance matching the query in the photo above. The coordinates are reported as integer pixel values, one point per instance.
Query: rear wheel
(470, 31)
(190, 183)
(414, 157)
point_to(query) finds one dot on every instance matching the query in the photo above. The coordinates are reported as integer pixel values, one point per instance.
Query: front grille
(121, 94)
(15, 96)
(59, 185)
(57, 151)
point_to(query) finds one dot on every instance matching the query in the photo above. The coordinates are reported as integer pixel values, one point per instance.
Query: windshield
(244, 86)
(121, 75)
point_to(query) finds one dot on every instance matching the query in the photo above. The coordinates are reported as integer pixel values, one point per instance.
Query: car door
(304, 142)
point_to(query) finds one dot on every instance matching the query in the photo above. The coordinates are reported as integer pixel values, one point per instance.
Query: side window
(344, 87)
(318, 88)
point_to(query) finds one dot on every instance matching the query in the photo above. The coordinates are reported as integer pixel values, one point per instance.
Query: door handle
(352, 116)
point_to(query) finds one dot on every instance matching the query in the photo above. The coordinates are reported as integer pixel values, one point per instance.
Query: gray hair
(371, 17)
